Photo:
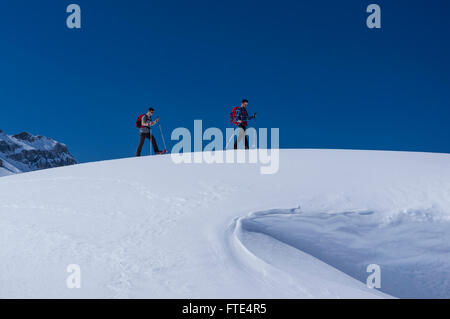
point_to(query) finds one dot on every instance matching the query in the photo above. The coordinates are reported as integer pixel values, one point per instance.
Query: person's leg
(141, 143)
(155, 145)
(240, 136)
(244, 135)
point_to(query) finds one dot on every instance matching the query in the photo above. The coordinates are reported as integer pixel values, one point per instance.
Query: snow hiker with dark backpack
(144, 124)
(240, 118)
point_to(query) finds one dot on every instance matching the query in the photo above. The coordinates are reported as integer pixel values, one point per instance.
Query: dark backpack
(233, 115)
(139, 121)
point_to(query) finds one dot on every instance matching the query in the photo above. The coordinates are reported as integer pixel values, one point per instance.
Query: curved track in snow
(413, 250)
(279, 263)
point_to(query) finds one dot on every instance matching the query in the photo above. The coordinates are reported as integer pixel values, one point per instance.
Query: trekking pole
(162, 135)
(151, 145)
(229, 141)
(254, 140)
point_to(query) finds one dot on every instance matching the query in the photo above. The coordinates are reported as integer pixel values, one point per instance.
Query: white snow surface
(148, 228)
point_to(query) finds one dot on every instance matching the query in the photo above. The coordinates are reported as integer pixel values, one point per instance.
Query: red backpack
(233, 115)
(139, 121)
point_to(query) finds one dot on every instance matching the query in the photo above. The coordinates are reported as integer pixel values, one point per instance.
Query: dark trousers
(142, 137)
(241, 135)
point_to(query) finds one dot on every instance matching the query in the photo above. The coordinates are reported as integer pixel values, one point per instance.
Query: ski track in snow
(134, 238)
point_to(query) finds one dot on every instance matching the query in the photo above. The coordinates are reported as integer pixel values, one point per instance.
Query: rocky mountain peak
(25, 152)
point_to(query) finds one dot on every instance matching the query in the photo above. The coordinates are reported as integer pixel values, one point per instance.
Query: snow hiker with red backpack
(144, 124)
(240, 118)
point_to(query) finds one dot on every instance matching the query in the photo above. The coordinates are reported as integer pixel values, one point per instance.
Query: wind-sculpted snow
(281, 263)
(149, 228)
(412, 247)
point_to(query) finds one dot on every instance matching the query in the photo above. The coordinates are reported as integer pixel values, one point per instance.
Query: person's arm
(149, 124)
(154, 122)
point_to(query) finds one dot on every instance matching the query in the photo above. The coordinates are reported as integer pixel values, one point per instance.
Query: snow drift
(146, 227)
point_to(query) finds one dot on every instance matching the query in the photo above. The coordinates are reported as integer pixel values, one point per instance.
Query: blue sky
(311, 68)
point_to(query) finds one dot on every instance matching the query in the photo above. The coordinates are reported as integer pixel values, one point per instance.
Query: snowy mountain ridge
(25, 152)
(227, 231)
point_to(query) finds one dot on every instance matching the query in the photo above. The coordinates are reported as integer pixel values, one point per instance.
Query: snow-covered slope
(146, 227)
(25, 152)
